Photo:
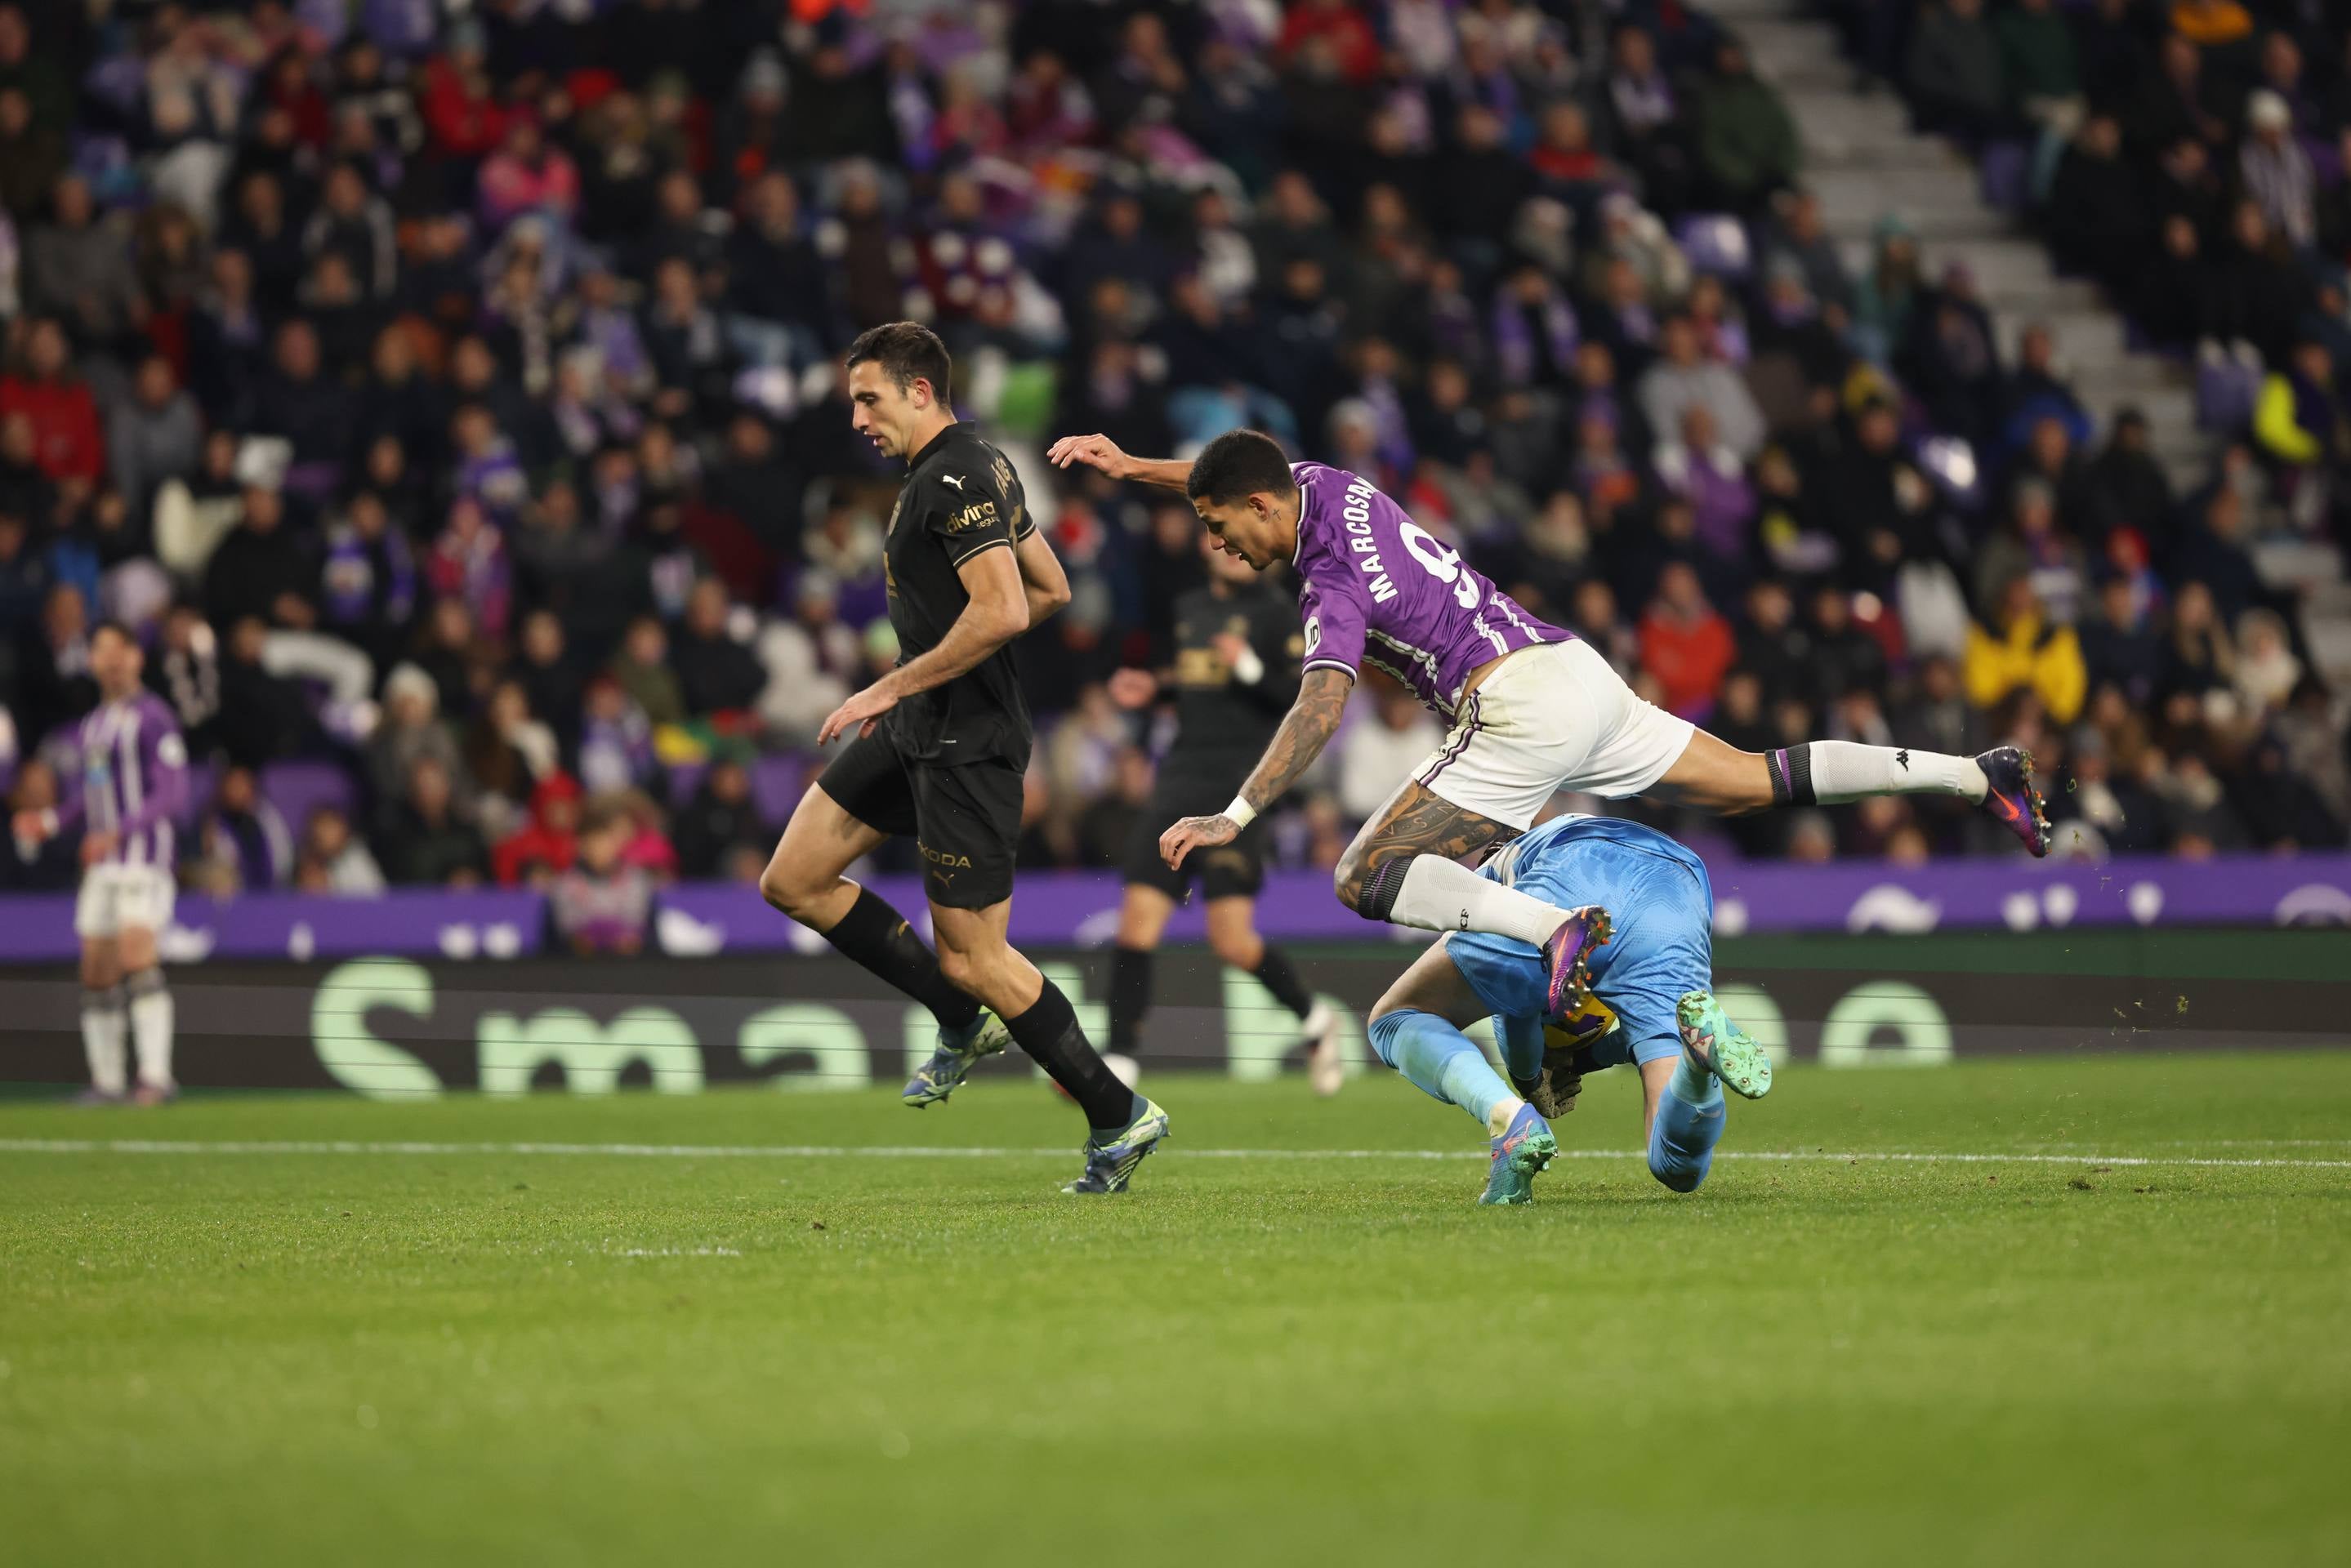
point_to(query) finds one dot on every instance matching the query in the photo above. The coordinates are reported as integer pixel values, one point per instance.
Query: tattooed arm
(1313, 718)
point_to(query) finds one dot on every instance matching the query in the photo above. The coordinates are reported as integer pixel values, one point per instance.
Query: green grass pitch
(494, 1354)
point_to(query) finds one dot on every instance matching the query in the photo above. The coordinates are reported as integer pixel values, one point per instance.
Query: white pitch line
(934, 1151)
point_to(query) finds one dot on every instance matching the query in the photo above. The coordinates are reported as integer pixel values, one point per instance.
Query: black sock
(1130, 996)
(876, 935)
(1274, 974)
(1049, 1031)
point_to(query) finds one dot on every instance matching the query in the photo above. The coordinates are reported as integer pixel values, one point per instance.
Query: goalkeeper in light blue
(1642, 994)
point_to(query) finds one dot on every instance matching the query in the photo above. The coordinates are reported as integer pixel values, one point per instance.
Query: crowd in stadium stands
(452, 402)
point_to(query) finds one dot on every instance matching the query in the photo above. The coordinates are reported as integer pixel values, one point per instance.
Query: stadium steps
(1866, 164)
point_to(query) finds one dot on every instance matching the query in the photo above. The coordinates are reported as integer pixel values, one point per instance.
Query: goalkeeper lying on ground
(1649, 912)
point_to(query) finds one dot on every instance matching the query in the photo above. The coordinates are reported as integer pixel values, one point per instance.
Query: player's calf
(1691, 1111)
(148, 1003)
(1446, 1064)
(102, 1024)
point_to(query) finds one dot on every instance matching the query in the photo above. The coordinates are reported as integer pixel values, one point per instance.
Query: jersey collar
(937, 444)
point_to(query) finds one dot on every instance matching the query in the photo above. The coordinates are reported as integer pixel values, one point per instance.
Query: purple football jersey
(134, 778)
(1382, 590)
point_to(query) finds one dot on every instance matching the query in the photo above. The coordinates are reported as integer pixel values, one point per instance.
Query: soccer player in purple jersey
(1532, 709)
(134, 774)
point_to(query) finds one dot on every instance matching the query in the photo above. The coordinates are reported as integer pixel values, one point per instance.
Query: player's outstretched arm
(1043, 583)
(1312, 720)
(1101, 452)
(997, 612)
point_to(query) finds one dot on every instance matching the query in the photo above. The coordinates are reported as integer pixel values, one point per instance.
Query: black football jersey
(1222, 726)
(961, 497)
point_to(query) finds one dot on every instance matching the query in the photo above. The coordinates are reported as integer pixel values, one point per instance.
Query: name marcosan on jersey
(1357, 512)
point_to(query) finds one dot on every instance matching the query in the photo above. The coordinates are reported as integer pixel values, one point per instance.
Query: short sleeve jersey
(1382, 590)
(961, 498)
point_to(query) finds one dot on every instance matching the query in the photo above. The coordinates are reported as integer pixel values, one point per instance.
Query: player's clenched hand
(1196, 833)
(861, 713)
(28, 826)
(1093, 451)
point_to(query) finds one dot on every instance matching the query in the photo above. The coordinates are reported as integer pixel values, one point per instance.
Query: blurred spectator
(717, 671)
(67, 443)
(1685, 644)
(549, 842)
(551, 685)
(410, 730)
(602, 905)
(425, 844)
(260, 570)
(78, 266)
(153, 436)
(641, 670)
(1747, 144)
(368, 586)
(332, 861)
(507, 752)
(720, 825)
(264, 716)
(616, 739)
(1953, 72)
(242, 843)
(1681, 379)
(51, 863)
(2020, 649)
(2275, 171)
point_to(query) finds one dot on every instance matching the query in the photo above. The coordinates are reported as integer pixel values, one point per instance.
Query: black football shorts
(964, 820)
(1225, 870)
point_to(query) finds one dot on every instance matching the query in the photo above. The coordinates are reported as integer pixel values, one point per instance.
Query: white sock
(150, 1027)
(1847, 770)
(1439, 895)
(101, 1040)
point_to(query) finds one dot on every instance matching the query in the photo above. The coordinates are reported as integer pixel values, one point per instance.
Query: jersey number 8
(1440, 563)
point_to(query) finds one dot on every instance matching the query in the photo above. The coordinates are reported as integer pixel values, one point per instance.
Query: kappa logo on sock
(1903, 757)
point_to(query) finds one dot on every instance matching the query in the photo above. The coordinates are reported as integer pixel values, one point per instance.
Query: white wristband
(1241, 812)
(1249, 669)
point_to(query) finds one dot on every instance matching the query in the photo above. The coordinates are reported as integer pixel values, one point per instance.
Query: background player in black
(1234, 675)
(937, 748)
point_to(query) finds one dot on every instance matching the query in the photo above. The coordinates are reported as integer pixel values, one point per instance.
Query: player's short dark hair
(100, 627)
(906, 351)
(1239, 464)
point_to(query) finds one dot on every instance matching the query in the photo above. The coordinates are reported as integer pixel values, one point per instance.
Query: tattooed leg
(1404, 868)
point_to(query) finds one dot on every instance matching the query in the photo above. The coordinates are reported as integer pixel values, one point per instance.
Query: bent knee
(788, 892)
(957, 968)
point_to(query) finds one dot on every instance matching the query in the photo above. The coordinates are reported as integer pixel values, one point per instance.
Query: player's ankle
(1505, 1112)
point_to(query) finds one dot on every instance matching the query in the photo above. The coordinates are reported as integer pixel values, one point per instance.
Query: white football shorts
(1555, 717)
(116, 897)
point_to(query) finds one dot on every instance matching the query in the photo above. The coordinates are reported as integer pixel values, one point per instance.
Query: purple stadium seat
(776, 784)
(298, 789)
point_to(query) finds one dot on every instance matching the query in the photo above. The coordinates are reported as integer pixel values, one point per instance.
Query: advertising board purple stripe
(1079, 908)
